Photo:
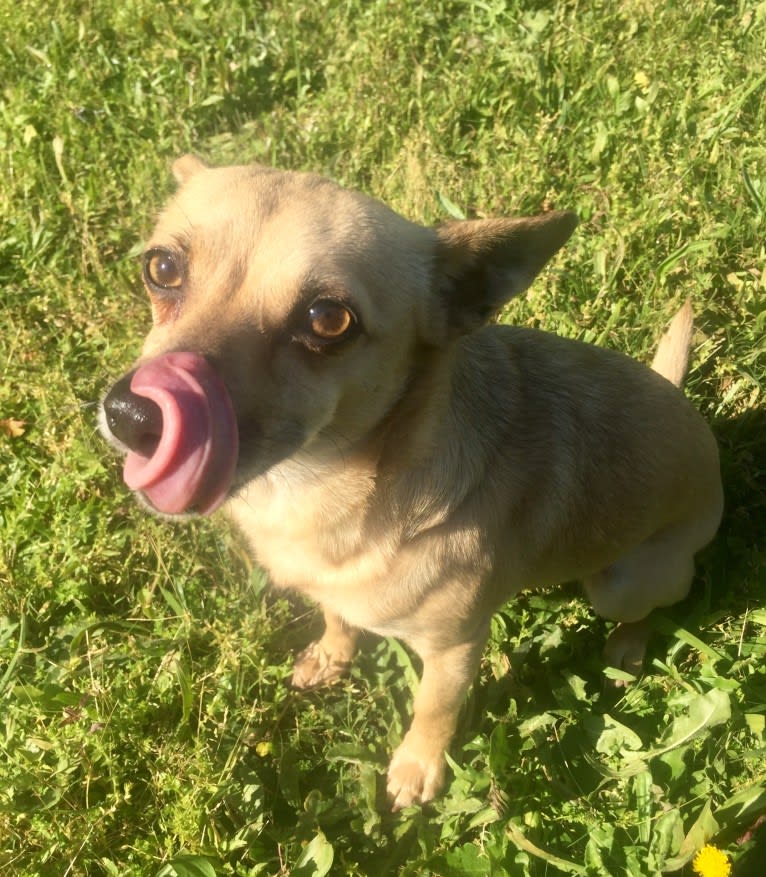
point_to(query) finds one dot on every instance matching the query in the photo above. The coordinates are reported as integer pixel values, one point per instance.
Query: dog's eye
(330, 320)
(161, 269)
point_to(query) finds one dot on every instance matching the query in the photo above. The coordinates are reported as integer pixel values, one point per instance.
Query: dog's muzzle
(175, 418)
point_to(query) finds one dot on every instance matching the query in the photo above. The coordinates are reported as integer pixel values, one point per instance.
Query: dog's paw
(315, 666)
(625, 648)
(415, 775)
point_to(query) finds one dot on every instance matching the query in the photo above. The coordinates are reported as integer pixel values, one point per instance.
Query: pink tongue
(193, 464)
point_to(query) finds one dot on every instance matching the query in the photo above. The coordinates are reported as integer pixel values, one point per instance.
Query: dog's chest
(312, 537)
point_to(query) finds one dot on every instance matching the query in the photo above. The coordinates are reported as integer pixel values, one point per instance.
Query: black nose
(135, 420)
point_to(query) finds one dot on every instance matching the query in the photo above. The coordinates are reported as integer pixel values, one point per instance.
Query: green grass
(146, 725)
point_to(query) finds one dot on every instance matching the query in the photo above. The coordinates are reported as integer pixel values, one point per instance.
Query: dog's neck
(393, 484)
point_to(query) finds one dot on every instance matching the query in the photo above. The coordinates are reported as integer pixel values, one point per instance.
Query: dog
(325, 369)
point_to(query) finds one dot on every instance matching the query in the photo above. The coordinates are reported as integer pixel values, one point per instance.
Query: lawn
(146, 722)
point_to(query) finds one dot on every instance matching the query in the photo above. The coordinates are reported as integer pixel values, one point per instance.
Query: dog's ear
(185, 167)
(482, 264)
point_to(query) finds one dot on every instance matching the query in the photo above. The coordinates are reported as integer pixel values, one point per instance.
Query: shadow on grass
(737, 555)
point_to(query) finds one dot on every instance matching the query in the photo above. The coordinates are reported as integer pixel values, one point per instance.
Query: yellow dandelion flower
(711, 862)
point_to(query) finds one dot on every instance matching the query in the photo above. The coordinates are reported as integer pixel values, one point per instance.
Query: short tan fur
(415, 475)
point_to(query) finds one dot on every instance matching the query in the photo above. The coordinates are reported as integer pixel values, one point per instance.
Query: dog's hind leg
(626, 646)
(657, 573)
(328, 658)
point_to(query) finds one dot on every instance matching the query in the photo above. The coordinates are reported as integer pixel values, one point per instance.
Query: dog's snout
(135, 420)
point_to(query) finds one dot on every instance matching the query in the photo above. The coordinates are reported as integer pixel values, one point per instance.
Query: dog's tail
(672, 357)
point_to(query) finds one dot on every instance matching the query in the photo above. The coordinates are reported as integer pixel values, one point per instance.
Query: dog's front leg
(329, 658)
(416, 772)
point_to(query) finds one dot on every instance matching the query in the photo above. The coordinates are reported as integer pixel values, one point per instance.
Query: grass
(146, 725)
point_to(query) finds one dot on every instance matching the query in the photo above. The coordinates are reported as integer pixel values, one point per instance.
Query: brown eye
(161, 269)
(330, 320)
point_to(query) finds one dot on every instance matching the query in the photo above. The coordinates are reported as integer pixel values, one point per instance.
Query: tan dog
(322, 365)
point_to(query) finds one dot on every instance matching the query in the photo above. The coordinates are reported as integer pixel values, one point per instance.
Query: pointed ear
(482, 264)
(185, 167)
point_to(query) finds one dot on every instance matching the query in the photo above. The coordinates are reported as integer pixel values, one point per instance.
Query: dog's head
(288, 316)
